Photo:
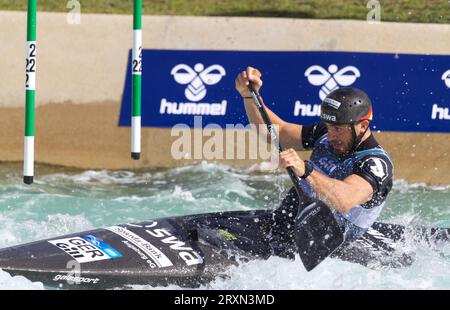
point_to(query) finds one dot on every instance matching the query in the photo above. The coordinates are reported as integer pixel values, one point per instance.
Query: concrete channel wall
(81, 71)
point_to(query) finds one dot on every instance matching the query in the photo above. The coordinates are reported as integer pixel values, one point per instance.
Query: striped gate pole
(136, 80)
(30, 87)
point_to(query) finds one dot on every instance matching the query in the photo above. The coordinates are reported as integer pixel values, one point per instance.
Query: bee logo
(331, 80)
(446, 78)
(197, 78)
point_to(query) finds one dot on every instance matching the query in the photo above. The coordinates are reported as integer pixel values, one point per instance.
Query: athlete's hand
(290, 158)
(251, 75)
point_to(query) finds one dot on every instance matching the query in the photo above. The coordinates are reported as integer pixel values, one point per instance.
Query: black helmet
(346, 105)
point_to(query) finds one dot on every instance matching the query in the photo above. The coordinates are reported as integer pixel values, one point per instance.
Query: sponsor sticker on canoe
(86, 248)
(149, 249)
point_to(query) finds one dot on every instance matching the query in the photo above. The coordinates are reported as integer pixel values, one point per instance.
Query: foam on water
(14, 231)
(429, 271)
(17, 283)
(63, 201)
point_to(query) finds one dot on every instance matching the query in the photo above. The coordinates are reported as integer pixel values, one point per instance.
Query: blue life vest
(327, 162)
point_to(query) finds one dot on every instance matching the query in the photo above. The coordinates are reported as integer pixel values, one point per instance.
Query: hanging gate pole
(136, 80)
(30, 87)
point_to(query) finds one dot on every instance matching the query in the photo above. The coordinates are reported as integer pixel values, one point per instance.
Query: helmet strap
(357, 138)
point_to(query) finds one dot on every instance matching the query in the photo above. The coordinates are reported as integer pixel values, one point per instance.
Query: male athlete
(348, 169)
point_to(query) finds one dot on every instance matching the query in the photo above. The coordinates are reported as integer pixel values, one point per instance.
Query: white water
(64, 202)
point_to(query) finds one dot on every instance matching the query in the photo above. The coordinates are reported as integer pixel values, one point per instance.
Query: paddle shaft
(273, 134)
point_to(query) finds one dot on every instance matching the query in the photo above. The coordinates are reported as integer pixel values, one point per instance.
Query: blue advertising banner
(410, 93)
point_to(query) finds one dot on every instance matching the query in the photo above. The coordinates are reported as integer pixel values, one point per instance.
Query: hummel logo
(197, 78)
(331, 80)
(446, 78)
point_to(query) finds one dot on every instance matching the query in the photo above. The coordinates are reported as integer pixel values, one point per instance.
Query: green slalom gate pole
(136, 80)
(30, 87)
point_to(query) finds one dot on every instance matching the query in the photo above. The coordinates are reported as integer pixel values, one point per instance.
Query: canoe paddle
(317, 234)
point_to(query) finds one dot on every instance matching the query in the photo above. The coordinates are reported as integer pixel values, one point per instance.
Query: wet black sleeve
(311, 133)
(378, 171)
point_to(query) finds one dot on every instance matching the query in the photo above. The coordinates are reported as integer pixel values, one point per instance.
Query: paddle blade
(317, 234)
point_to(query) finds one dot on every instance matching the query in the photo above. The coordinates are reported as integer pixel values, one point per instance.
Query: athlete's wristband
(308, 169)
(251, 97)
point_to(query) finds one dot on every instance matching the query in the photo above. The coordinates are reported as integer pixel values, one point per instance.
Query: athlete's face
(340, 138)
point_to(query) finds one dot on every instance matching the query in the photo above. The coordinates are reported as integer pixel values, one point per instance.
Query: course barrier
(410, 93)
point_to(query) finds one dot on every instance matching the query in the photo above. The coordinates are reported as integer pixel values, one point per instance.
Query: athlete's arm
(368, 186)
(290, 134)
(370, 182)
(341, 195)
